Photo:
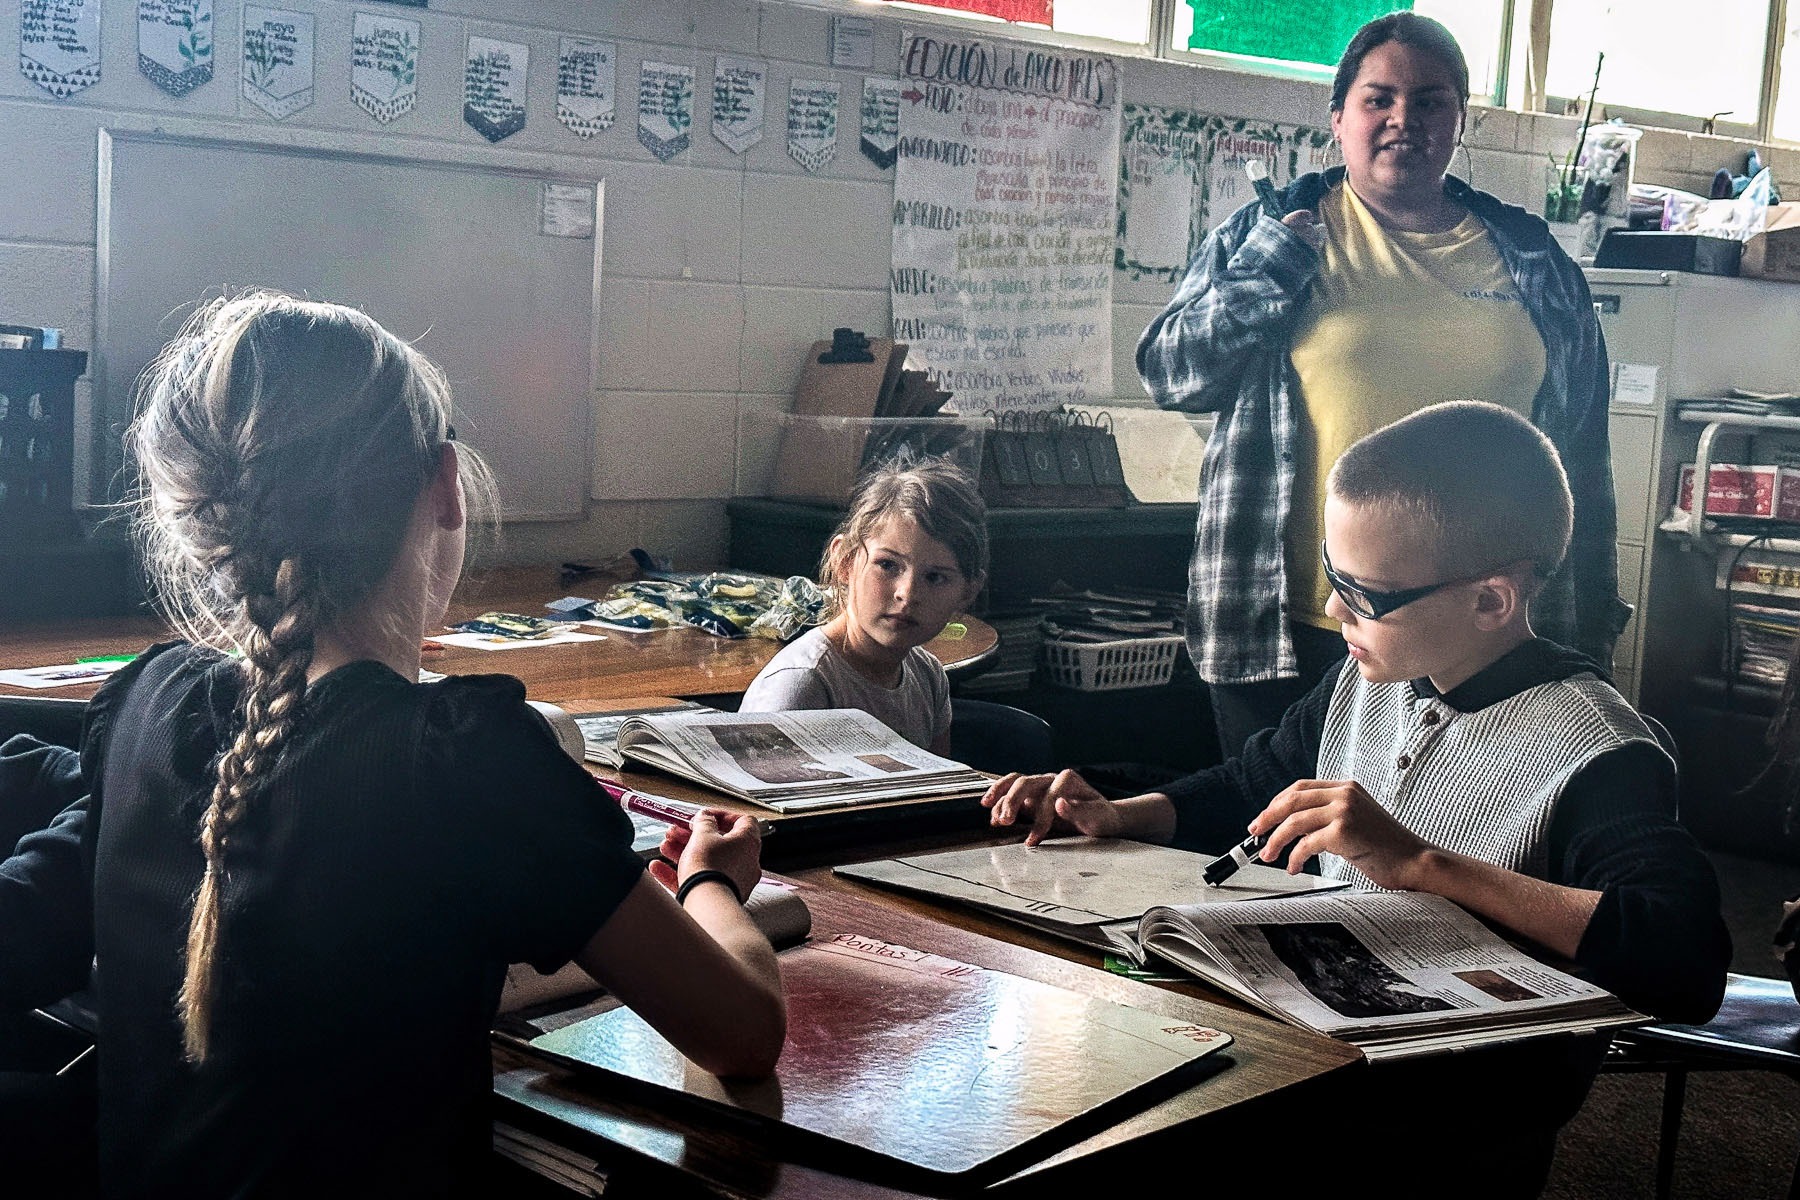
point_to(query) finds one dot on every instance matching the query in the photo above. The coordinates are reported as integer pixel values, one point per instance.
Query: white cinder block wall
(717, 269)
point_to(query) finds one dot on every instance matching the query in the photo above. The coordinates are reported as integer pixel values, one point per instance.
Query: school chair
(1757, 1029)
(999, 738)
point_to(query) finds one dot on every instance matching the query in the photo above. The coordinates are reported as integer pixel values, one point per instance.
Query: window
(1308, 36)
(1651, 62)
(1113, 20)
(1786, 122)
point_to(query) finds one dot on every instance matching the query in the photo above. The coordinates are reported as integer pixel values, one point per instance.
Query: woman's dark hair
(1409, 29)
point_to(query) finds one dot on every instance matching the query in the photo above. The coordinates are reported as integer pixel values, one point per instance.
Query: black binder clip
(848, 346)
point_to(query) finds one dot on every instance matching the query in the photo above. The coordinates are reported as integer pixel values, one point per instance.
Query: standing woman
(1389, 286)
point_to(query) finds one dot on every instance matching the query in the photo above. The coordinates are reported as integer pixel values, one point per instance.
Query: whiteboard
(449, 257)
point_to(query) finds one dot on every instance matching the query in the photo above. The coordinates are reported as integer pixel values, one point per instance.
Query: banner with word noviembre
(1005, 202)
(812, 120)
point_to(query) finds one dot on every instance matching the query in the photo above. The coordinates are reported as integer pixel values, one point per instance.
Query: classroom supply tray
(1104, 666)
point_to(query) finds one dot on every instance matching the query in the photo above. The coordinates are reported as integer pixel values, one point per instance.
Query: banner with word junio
(1005, 194)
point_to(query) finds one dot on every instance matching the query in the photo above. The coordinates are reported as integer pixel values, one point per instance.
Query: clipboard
(847, 378)
(905, 1058)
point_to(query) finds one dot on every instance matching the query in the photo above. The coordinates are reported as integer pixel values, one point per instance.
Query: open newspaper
(600, 731)
(1087, 890)
(795, 761)
(1392, 973)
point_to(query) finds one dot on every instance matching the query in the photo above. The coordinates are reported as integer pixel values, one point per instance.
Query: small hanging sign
(384, 65)
(880, 121)
(738, 101)
(59, 44)
(494, 87)
(665, 108)
(277, 74)
(812, 122)
(175, 45)
(585, 85)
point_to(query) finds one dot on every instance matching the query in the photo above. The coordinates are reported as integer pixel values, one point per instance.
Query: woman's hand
(1040, 801)
(1303, 222)
(715, 840)
(1339, 817)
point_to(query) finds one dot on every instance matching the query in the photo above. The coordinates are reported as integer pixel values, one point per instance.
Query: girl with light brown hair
(309, 869)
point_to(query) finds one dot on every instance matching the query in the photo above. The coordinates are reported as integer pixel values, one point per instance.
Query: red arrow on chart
(912, 94)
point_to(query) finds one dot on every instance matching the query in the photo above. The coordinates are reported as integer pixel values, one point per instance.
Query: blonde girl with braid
(310, 870)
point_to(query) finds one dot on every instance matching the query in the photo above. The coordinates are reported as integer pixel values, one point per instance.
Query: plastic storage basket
(1103, 666)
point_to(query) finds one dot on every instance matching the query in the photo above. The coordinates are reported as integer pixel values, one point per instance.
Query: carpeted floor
(1740, 1130)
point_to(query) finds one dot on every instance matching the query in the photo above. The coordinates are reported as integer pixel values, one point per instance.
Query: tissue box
(1767, 492)
(1775, 252)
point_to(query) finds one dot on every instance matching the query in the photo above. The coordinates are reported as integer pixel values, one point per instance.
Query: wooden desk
(1275, 1071)
(673, 662)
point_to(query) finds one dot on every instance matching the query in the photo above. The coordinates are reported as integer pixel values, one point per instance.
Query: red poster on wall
(1029, 12)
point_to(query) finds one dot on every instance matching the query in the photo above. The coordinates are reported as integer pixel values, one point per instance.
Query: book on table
(794, 761)
(1394, 974)
(1087, 890)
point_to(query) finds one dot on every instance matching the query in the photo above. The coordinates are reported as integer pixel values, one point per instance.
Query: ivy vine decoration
(195, 46)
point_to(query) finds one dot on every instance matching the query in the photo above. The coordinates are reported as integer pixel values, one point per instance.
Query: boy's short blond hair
(1485, 482)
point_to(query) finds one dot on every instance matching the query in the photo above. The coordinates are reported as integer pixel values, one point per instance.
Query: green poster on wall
(1316, 32)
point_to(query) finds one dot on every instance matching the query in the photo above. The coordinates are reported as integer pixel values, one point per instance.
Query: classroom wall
(717, 269)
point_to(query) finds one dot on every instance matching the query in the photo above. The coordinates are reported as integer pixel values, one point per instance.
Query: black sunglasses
(1372, 605)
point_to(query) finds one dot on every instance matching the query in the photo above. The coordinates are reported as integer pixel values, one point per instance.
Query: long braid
(281, 446)
(280, 620)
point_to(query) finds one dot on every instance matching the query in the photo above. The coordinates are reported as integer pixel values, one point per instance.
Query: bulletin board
(472, 265)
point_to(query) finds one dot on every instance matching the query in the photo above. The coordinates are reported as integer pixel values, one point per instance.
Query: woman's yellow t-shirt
(1396, 321)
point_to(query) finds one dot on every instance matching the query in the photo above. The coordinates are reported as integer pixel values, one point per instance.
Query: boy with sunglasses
(1454, 752)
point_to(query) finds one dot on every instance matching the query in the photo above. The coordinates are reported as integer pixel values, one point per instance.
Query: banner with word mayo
(1005, 194)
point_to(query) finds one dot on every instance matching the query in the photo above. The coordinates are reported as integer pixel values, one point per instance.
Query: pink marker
(662, 808)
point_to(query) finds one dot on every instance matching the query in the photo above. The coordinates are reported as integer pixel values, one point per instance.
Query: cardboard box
(1775, 252)
(1769, 493)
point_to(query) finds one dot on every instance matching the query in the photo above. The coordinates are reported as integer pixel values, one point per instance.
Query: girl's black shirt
(409, 842)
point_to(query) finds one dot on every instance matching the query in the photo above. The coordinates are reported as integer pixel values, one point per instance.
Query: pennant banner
(494, 87)
(738, 101)
(384, 65)
(175, 45)
(277, 75)
(585, 85)
(59, 44)
(812, 122)
(880, 121)
(665, 108)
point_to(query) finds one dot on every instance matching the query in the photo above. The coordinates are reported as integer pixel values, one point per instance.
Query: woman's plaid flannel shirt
(1221, 346)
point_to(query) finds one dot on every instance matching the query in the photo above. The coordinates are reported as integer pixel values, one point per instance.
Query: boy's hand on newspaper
(716, 841)
(1337, 816)
(1062, 802)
